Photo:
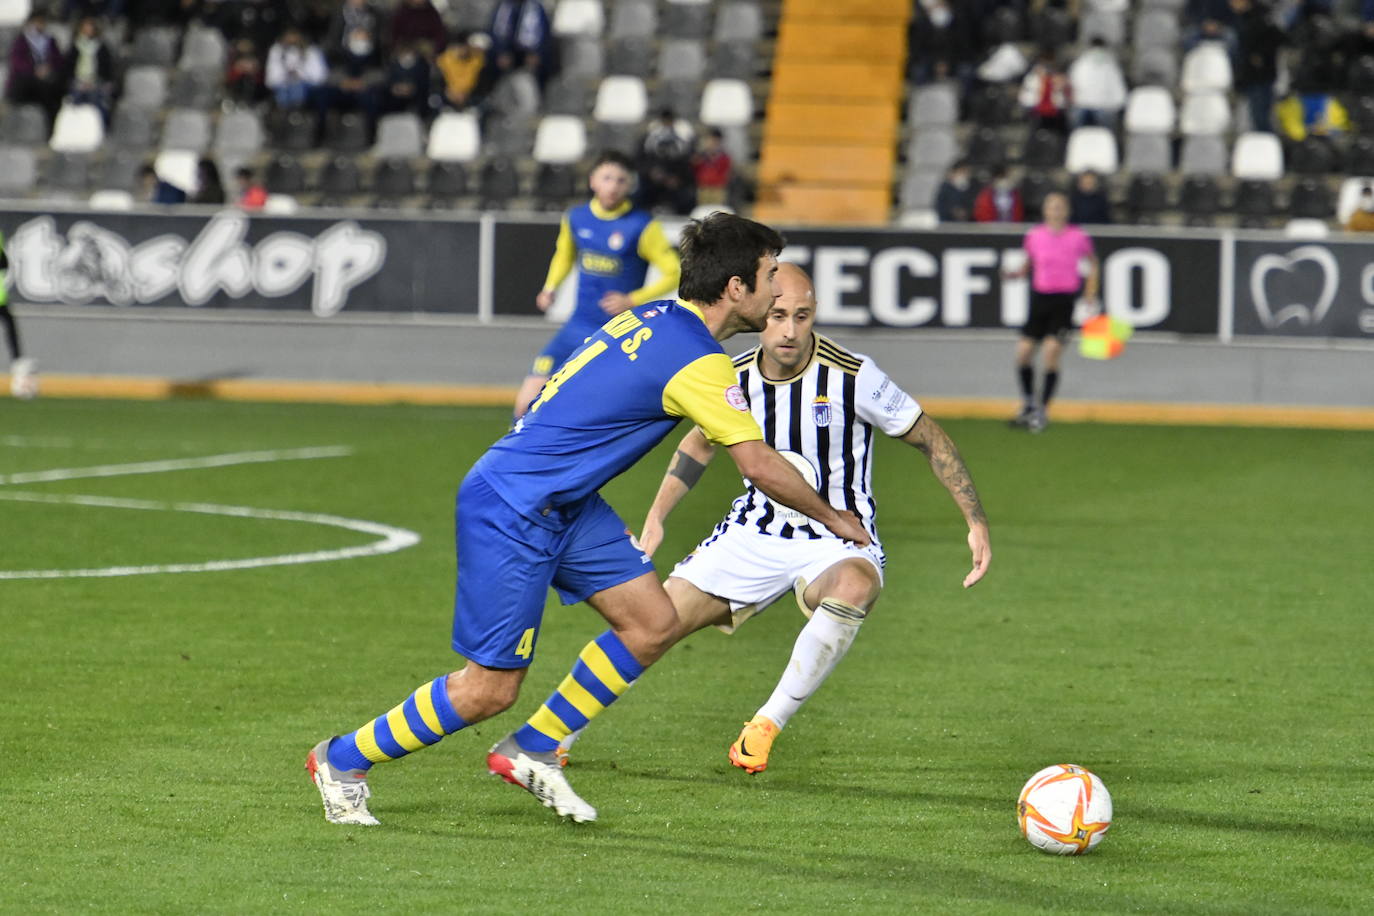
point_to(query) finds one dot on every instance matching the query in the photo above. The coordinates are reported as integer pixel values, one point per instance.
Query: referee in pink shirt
(1054, 252)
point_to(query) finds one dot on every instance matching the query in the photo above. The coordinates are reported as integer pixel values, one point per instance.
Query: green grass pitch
(1185, 611)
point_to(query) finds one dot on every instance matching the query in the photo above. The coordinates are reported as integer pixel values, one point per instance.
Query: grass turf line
(1184, 610)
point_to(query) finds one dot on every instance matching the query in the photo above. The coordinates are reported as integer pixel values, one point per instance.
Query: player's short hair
(613, 157)
(719, 247)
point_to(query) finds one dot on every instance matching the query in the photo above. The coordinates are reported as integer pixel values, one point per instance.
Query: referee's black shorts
(1051, 315)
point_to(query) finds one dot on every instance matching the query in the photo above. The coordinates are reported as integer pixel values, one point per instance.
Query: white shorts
(751, 570)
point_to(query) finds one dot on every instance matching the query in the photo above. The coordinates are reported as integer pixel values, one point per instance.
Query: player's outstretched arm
(949, 468)
(693, 453)
(778, 480)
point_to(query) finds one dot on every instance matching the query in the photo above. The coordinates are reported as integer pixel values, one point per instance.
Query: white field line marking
(177, 464)
(392, 539)
(56, 442)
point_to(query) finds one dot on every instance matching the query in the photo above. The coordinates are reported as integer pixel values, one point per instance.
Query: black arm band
(686, 469)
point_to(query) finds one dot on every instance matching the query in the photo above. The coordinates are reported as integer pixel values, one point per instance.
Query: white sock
(821, 644)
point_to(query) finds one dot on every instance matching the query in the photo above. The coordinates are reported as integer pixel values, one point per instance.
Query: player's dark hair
(719, 247)
(613, 157)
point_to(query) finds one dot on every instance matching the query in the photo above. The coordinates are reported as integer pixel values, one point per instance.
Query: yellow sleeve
(564, 254)
(655, 248)
(702, 392)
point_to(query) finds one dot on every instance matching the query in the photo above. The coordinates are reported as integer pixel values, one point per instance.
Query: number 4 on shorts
(526, 645)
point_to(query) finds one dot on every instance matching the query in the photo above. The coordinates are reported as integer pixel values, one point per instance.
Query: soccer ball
(1064, 810)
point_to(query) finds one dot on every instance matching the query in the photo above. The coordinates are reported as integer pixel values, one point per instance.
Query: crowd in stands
(1300, 70)
(325, 59)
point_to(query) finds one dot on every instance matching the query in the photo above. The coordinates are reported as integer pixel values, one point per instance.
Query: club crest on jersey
(820, 411)
(616, 241)
(734, 396)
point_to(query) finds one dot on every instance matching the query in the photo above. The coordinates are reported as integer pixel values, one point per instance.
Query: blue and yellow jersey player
(529, 517)
(612, 245)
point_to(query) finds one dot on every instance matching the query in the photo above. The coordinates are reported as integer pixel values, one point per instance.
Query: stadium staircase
(828, 153)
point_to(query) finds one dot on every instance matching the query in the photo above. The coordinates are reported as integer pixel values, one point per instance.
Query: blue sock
(423, 719)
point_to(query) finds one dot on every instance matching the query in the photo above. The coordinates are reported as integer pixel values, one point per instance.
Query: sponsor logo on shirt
(603, 265)
(616, 241)
(734, 396)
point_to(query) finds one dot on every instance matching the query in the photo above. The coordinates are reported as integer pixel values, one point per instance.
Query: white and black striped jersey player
(822, 407)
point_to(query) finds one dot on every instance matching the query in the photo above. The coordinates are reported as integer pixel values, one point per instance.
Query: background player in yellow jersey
(819, 405)
(612, 245)
(529, 517)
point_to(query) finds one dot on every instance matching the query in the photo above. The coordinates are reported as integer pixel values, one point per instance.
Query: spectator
(1096, 87)
(1256, 69)
(295, 70)
(941, 42)
(461, 69)
(1362, 219)
(955, 198)
(665, 166)
(243, 81)
(352, 15)
(1004, 64)
(520, 39)
(405, 87)
(417, 23)
(209, 188)
(252, 194)
(1213, 22)
(712, 168)
(1045, 94)
(353, 77)
(1088, 201)
(89, 68)
(36, 67)
(1000, 201)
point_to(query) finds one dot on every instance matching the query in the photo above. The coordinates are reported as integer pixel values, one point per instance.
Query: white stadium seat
(1150, 110)
(621, 100)
(1205, 113)
(1206, 68)
(579, 17)
(111, 200)
(560, 139)
(1257, 155)
(727, 103)
(78, 129)
(454, 137)
(1091, 149)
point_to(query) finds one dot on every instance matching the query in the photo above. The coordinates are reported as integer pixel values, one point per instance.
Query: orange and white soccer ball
(1064, 810)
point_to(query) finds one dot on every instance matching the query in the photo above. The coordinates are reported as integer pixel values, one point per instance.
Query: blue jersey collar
(601, 212)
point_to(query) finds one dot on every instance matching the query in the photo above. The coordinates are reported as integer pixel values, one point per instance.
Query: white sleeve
(879, 402)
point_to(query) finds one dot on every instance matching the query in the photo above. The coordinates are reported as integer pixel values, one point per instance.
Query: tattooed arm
(950, 470)
(693, 453)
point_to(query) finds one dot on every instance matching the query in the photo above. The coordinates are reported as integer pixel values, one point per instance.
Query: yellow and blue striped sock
(605, 669)
(423, 719)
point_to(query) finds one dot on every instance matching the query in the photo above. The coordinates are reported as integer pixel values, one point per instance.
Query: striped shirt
(821, 420)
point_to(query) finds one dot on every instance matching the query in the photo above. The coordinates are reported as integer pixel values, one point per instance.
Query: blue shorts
(506, 563)
(568, 339)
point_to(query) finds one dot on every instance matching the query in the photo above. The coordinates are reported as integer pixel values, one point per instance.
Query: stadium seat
(934, 104)
(1348, 198)
(498, 185)
(1150, 110)
(1155, 28)
(69, 172)
(567, 95)
(992, 106)
(1306, 229)
(1109, 25)
(239, 132)
(285, 175)
(738, 22)
(1254, 201)
(186, 129)
(1206, 68)
(447, 179)
(1314, 155)
(77, 129)
(1035, 186)
(1002, 26)
(1360, 77)
(560, 139)
(1360, 156)
(578, 17)
(1362, 114)
(111, 200)
(623, 138)
(633, 19)
(681, 97)
(145, 87)
(681, 59)
(918, 190)
(510, 135)
(1205, 113)
(13, 13)
(1091, 149)
(554, 185)
(1148, 153)
(280, 204)
(24, 125)
(399, 136)
(1155, 66)
(203, 49)
(515, 93)
(1311, 200)
(1257, 156)
(393, 178)
(621, 100)
(120, 170)
(179, 168)
(727, 103)
(154, 46)
(1200, 199)
(686, 20)
(293, 130)
(582, 56)
(1202, 155)
(1146, 196)
(455, 136)
(1053, 28)
(132, 128)
(936, 148)
(195, 89)
(631, 57)
(340, 177)
(1044, 149)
